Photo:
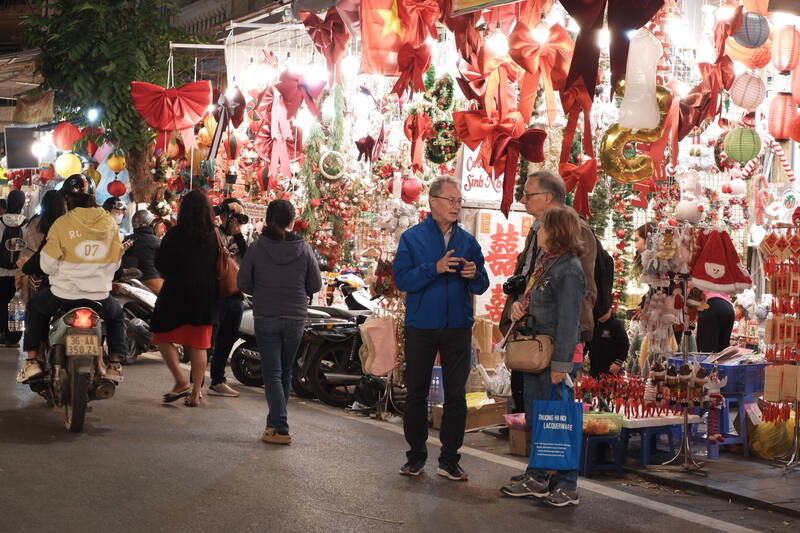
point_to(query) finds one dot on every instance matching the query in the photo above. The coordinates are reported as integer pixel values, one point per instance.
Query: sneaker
(452, 471)
(114, 372)
(562, 498)
(223, 389)
(31, 368)
(412, 468)
(525, 487)
(519, 477)
(273, 437)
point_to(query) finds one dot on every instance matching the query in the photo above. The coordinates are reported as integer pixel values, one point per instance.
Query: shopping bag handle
(563, 391)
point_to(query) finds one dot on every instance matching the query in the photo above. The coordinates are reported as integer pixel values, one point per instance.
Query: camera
(515, 285)
(224, 211)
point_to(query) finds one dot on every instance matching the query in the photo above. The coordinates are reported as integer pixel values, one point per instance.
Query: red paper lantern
(794, 128)
(65, 135)
(786, 49)
(233, 145)
(796, 86)
(782, 110)
(116, 188)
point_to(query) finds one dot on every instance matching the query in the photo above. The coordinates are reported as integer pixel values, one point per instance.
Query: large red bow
(580, 180)
(167, 109)
(274, 133)
(703, 101)
(512, 141)
(468, 39)
(623, 16)
(295, 89)
(549, 60)
(500, 73)
(417, 126)
(330, 38)
(574, 101)
(419, 20)
(474, 129)
(413, 63)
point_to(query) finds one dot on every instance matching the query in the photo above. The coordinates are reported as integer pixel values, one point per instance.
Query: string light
(497, 42)
(603, 38)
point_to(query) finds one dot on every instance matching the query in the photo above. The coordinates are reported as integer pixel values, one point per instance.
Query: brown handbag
(528, 353)
(227, 270)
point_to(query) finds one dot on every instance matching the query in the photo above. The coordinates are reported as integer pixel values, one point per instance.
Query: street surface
(142, 466)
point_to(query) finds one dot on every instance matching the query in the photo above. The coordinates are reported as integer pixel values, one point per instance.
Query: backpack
(8, 260)
(603, 279)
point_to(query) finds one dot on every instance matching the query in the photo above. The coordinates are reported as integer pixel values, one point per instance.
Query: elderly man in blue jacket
(440, 267)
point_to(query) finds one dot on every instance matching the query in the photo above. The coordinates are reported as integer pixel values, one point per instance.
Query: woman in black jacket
(187, 304)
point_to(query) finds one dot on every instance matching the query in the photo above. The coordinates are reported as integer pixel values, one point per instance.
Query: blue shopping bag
(556, 433)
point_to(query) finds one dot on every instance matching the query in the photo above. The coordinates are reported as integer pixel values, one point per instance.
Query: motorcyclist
(82, 252)
(117, 209)
(142, 251)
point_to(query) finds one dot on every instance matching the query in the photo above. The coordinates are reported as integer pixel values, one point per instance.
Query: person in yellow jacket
(81, 255)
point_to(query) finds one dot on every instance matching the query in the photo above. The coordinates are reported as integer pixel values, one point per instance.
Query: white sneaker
(223, 389)
(114, 372)
(31, 368)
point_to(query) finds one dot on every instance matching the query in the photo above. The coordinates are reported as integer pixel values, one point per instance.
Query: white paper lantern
(639, 107)
(748, 91)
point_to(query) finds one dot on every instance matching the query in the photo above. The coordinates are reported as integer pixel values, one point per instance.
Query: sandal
(188, 402)
(174, 396)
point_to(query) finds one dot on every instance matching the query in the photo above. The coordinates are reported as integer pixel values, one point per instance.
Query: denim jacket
(555, 308)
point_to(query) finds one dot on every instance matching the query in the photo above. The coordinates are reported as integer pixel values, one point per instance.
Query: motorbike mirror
(15, 244)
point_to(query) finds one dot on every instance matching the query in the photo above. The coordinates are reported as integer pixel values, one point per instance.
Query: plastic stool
(590, 444)
(646, 436)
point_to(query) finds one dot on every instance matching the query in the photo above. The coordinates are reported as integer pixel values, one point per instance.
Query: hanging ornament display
(116, 163)
(116, 188)
(742, 144)
(753, 32)
(748, 91)
(68, 164)
(65, 135)
(786, 49)
(782, 110)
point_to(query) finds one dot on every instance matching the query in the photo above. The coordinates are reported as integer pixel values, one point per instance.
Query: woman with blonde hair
(556, 289)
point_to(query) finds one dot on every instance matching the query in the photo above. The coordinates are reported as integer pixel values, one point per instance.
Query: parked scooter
(138, 303)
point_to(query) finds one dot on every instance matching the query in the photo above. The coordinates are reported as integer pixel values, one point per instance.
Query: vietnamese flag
(381, 37)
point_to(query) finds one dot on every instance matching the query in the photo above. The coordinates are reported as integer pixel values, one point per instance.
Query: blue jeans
(537, 387)
(278, 340)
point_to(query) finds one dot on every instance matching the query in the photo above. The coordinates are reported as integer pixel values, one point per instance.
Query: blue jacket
(435, 301)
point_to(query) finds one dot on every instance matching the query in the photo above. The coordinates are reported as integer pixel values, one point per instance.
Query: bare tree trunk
(142, 184)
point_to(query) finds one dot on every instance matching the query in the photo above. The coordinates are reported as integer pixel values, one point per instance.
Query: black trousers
(714, 326)
(7, 291)
(453, 346)
(226, 331)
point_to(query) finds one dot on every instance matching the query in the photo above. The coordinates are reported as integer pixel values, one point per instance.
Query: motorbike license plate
(83, 345)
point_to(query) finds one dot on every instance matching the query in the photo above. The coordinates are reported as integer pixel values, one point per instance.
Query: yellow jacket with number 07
(82, 252)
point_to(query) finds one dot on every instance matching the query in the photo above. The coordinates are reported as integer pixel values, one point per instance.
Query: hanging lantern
(753, 32)
(233, 145)
(782, 110)
(748, 91)
(796, 86)
(794, 129)
(786, 49)
(116, 163)
(204, 137)
(116, 188)
(68, 164)
(742, 144)
(65, 135)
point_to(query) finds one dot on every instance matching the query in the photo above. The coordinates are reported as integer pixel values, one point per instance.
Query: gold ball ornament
(68, 164)
(94, 175)
(117, 163)
(204, 137)
(639, 167)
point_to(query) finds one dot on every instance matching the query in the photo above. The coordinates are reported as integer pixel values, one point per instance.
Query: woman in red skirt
(187, 304)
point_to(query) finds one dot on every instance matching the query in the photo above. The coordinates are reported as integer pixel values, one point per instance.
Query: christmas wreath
(442, 146)
(331, 165)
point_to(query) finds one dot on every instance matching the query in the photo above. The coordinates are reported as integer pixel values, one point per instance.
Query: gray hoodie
(280, 275)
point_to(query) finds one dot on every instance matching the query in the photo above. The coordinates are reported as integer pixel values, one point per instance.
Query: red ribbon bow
(548, 60)
(580, 180)
(167, 109)
(499, 93)
(419, 20)
(274, 132)
(417, 126)
(330, 38)
(295, 90)
(468, 39)
(412, 63)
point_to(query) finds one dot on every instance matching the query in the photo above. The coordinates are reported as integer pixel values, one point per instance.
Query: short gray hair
(439, 183)
(551, 182)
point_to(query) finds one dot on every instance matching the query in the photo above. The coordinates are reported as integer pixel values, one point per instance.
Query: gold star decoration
(391, 21)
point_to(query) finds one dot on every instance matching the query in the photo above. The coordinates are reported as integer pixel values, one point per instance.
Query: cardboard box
(789, 385)
(519, 442)
(488, 415)
(773, 376)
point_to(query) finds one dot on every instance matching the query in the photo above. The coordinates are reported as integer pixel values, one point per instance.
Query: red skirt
(189, 336)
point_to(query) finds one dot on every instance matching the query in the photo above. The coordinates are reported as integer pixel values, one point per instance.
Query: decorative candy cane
(762, 198)
(784, 160)
(750, 167)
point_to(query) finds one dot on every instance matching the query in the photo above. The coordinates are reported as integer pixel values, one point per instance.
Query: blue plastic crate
(742, 379)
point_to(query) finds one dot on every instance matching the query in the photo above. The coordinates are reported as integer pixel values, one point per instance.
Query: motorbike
(138, 303)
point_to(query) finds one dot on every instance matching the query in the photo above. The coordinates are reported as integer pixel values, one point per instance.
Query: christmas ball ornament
(748, 91)
(786, 49)
(753, 32)
(117, 164)
(689, 211)
(742, 144)
(116, 188)
(314, 202)
(94, 175)
(412, 187)
(782, 110)
(65, 135)
(620, 246)
(620, 233)
(68, 164)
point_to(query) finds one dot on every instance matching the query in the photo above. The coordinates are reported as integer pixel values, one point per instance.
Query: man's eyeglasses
(527, 195)
(453, 201)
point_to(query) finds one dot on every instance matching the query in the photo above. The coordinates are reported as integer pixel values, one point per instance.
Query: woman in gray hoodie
(281, 272)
